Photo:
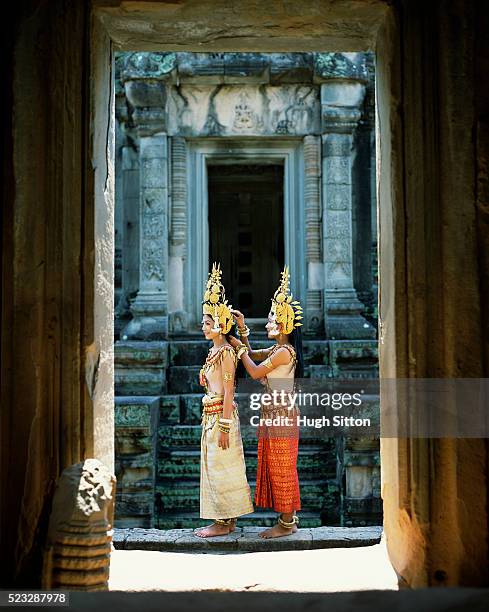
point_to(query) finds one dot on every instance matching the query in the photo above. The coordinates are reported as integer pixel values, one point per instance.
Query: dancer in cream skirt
(224, 490)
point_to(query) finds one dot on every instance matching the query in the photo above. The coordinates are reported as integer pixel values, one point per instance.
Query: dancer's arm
(228, 369)
(280, 357)
(257, 354)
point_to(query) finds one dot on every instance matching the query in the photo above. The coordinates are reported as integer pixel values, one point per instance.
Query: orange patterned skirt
(277, 481)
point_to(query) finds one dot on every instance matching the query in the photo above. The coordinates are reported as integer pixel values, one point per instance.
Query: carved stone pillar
(150, 307)
(312, 194)
(178, 235)
(340, 113)
(130, 253)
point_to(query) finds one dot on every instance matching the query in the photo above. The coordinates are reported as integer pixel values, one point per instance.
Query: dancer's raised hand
(238, 317)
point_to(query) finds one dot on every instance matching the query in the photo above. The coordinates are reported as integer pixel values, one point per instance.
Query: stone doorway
(250, 245)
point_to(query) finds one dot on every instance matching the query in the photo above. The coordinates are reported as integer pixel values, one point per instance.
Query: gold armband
(242, 349)
(228, 376)
(268, 363)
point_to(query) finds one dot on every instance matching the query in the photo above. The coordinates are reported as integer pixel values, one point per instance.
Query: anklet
(223, 521)
(287, 525)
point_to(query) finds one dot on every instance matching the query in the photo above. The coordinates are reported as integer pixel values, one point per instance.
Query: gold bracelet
(243, 332)
(241, 350)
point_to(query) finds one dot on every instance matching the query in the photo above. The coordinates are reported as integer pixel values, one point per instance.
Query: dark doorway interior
(246, 232)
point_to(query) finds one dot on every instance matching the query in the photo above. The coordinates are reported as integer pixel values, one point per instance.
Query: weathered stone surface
(433, 262)
(245, 539)
(184, 379)
(316, 352)
(328, 25)
(188, 352)
(170, 409)
(224, 110)
(335, 65)
(291, 68)
(145, 93)
(354, 359)
(83, 516)
(136, 431)
(136, 64)
(140, 367)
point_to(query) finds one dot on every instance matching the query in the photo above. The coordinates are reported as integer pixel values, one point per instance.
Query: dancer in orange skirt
(277, 482)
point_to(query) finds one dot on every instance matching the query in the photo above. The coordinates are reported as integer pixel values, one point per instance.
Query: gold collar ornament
(286, 311)
(215, 303)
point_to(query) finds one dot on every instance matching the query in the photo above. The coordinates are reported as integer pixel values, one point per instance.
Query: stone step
(183, 464)
(184, 379)
(340, 355)
(191, 519)
(245, 539)
(176, 437)
(186, 496)
(194, 352)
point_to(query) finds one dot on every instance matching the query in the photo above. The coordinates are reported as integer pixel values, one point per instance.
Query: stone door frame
(411, 185)
(236, 150)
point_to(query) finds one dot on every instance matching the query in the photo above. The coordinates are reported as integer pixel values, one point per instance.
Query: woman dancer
(224, 490)
(277, 482)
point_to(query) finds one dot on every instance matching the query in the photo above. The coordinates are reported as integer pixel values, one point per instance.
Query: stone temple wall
(175, 111)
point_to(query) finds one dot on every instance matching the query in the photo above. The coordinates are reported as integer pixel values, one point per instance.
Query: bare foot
(277, 531)
(213, 530)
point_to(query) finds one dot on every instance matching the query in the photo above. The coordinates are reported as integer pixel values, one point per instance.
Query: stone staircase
(157, 420)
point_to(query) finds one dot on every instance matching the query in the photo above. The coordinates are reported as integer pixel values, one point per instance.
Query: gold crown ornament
(215, 303)
(286, 310)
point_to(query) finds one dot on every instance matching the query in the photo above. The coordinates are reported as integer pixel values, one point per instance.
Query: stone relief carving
(339, 224)
(144, 64)
(77, 553)
(253, 110)
(178, 321)
(152, 266)
(346, 65)
(153, 200)
(245, 118)
(152, 226)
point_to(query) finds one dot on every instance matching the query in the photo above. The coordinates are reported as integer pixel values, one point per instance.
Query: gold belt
(213, 408)
(212, 403)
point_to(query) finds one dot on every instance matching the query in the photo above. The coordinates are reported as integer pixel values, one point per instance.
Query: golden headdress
(215, 303)
(286, 311)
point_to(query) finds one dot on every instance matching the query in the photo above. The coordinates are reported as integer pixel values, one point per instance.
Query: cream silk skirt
(224, 489)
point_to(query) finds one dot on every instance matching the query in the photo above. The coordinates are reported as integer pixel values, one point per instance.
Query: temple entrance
(250, 244)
